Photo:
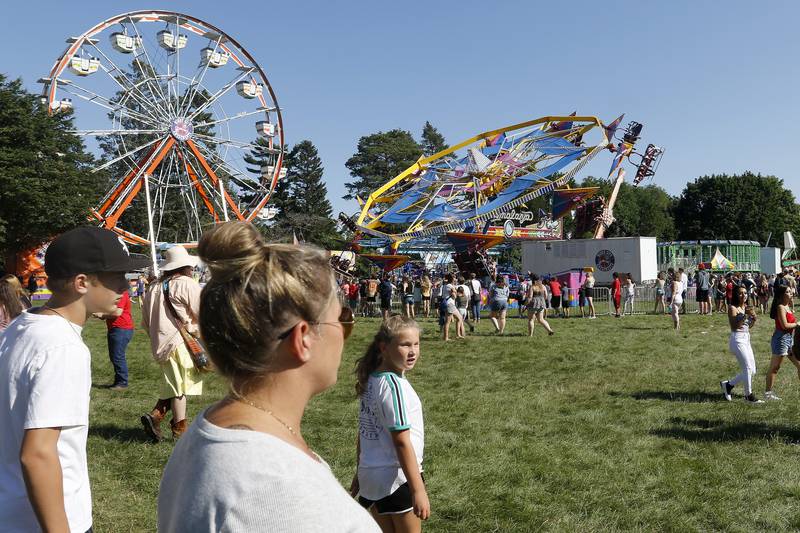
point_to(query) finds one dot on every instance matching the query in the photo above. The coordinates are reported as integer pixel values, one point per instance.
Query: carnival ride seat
(169, 41)
(214, 58)
(265, 129)
(247, 89)
(83, 66)
(124, 43)
(269, 170)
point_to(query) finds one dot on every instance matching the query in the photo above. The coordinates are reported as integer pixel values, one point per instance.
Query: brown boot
(178, 428)
(152, 421)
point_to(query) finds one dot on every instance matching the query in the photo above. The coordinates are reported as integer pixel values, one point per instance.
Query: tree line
(46, 187)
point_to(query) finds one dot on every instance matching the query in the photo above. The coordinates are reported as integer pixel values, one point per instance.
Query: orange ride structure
(176, 107)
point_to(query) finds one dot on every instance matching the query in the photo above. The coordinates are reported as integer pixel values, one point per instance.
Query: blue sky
(715, 83)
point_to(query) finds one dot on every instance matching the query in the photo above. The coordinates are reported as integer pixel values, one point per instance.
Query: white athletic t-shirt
(389, 404)
(45, 380)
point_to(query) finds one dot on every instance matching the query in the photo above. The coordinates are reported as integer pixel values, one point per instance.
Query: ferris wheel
(175, 109)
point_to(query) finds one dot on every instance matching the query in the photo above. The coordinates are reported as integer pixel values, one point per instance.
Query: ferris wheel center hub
(181, 129)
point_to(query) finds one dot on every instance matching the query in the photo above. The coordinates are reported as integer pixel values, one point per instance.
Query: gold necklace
(251, 403)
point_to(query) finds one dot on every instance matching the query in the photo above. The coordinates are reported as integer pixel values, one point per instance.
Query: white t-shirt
(389, 404)
(475, 285)
(684, 282)
(231, 480)
(45, 380)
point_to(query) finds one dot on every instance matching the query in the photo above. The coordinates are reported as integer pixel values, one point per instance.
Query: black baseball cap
(88, 250)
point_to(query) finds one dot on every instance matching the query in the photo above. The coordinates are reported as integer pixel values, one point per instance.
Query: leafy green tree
(432, 141)
(638, 211)
(380, 157)
(745, 206)
(46, 186)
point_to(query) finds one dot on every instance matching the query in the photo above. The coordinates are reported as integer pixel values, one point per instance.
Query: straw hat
(177, 257)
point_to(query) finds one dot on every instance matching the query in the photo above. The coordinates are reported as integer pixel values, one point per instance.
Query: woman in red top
(781, 343)
(616, 292)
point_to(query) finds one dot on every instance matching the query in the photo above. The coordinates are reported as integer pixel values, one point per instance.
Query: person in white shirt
(475, 299)
(274, 328)
(684, 288)
(45, 379)
(391, 430)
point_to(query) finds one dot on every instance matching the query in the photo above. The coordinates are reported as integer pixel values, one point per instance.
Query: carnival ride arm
(41, 470)
(408, 462)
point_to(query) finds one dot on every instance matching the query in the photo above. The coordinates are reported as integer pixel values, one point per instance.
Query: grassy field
(612, 424)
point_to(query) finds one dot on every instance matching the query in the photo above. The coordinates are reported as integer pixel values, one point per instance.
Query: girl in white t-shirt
(389, 478)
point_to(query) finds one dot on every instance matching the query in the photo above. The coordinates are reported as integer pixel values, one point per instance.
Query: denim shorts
(781, 343)
(498, 305)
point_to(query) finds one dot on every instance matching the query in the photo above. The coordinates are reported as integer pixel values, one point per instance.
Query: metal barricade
(645, 299)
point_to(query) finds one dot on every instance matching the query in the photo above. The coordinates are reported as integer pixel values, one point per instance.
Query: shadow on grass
(673, 396)
(704, 430)
(119, 434)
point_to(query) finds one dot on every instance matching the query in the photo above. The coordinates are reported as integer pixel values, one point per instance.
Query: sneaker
(752, 400)
(726, 390)
(771, 396)
(118, 388)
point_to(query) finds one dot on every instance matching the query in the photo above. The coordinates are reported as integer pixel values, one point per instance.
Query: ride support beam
(199, 186)
(214, 179)
(100, 212)
(111, 220)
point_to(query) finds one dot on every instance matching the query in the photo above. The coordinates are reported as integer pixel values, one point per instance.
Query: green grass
(612, 424)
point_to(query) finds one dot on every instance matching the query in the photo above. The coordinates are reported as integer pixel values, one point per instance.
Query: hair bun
(231, 249)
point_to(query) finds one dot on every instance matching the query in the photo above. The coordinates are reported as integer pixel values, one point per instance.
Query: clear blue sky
(715, 83)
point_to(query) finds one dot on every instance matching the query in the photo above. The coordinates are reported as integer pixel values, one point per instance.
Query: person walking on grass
(630, 291)
(720, 301)
(763, 293)
(684, 279)
(425, 286)
(462, 304)
(179, 378)
(661, 302)
(703, 284)
(616, 293)
(385, 291)
(475, 298)
(452, 315)
(565, 298)
(391, 431)
(45, 381)
(120, 332)
(537, 306)
(676, 302)
(588, 288)
(498, 304)
(555, 295)
(741, 319)
(407, 290)
(274, 329)
(781, 342)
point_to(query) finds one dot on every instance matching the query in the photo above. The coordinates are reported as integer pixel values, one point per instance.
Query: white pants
(740, 346)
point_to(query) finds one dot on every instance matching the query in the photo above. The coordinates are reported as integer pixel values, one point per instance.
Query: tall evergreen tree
(432, 141)
(46, 186)
(380, 157)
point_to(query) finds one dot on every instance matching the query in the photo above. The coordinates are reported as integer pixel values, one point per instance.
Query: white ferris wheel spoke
(104, 102)
(237, 116)
(214, 97)
(113, 132)
(157, 85)
(141, 98)
(237, 144)
(186, 104)
(127, 154)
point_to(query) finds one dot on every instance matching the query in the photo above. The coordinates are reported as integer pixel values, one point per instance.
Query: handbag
(196, 350)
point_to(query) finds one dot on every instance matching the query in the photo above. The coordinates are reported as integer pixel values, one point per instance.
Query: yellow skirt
(180, 376)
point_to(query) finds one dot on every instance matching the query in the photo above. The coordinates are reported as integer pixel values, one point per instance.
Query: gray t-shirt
(234, 480)
(703, 280)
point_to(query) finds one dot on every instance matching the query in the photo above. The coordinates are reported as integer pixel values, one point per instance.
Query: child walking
(388, 478)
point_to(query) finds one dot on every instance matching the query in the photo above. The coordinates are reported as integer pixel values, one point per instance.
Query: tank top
(789, 320)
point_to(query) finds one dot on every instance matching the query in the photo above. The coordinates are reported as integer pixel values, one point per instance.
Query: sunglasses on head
(346, 320)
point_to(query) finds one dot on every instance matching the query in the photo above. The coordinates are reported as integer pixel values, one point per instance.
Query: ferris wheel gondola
(152, 96)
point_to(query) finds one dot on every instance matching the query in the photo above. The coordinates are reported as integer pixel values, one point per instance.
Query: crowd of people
(273, 319)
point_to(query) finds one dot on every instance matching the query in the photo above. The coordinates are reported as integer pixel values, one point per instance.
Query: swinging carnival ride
(457, 192)
(177, 108)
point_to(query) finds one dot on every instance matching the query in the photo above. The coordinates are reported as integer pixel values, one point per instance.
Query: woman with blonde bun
(274, 328)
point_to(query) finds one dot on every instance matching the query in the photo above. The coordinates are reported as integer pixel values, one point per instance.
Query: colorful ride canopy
(481, 178)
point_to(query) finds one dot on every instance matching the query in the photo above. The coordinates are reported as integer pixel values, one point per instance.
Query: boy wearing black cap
(45, 379)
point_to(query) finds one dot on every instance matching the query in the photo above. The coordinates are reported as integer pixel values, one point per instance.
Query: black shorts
(386, 303)
(426, 298)
(555, 302)
(702, 295)
(397, 502)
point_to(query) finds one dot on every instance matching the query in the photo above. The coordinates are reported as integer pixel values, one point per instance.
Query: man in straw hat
(180, 378)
